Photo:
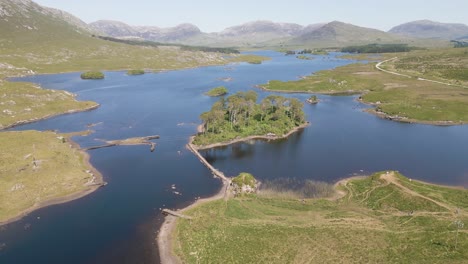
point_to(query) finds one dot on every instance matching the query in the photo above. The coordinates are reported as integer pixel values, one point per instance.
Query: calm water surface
(118, 223)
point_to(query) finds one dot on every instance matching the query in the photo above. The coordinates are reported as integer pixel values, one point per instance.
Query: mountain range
(20, 18)
(265, 33)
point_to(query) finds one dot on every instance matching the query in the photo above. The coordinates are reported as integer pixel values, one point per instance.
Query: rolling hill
(431, 29)
(340, 34)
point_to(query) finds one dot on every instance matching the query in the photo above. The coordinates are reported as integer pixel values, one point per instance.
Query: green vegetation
(136, 72)
(313, 99)
(378, 48)
(92, 75)
(36, 167)
(398, 97)
(244, 178)
(449, 65)
(378, 219)
(240, 116)
(303, 57)
(313, 51)
(217, 91)
(459, 44)
(252, 59)
(27, 102)
(290, 52)
(158, 44)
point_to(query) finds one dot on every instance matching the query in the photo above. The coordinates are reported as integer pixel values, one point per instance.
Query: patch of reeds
(293, 188)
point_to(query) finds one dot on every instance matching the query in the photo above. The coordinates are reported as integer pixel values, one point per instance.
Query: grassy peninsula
(41, 168)
(217, 91)
(431, 88)
(239, 116)
(384, 218)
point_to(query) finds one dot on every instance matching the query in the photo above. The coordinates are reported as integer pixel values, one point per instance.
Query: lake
(119, 222)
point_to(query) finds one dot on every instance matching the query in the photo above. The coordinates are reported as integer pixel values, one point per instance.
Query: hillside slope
(431, 29)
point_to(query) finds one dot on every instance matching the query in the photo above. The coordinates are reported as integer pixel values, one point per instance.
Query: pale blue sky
(215, 15)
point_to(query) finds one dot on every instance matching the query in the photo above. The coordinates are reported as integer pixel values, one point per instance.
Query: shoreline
(99, 182)
(342, 93)
(164, 239)
(233, 141)
(373, 111)
(383, 115)
(33, 120)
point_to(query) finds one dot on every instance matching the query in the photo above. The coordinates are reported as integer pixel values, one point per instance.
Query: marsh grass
(294, 188)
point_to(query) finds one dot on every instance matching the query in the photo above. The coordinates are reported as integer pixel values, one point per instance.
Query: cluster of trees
(459, 44)
(240, 115)
(378, 48)
(315, 51)
(147, 43)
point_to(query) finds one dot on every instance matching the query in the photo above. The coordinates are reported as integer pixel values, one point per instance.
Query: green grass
(25, 101)
(408, 98)
(448, 65)
(217, 91)
(60, 170)
(255, 229)
(136, 72)
(252, 59)
(304, 57)
(92, 75)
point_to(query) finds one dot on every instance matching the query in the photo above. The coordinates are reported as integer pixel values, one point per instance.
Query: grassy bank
(20, 102)
(385, 218)
(37, 168)
(408, 99)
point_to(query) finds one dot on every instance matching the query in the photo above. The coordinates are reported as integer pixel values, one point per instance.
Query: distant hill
(262, 30)
(23, 22)
(245, 34)
(341, 34)
(40, 39)
(118, 29)
(431, 29)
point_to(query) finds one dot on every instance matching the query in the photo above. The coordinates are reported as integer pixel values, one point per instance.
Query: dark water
(118, 223)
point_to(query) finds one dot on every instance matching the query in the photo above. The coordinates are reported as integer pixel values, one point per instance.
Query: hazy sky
(215, 15)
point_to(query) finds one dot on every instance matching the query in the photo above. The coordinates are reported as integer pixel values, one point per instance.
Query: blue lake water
(118, 223)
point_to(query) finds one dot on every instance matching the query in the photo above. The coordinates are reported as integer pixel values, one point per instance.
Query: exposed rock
(244, 183)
